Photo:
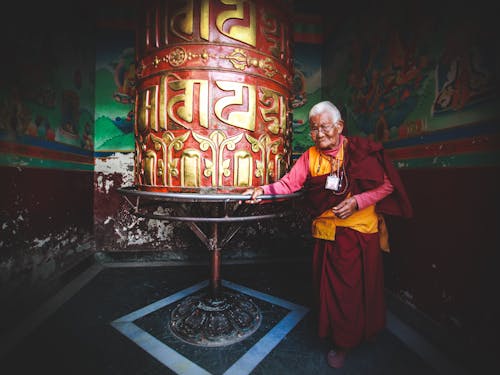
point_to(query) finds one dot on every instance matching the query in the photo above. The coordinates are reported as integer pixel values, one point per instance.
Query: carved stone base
(206, 320)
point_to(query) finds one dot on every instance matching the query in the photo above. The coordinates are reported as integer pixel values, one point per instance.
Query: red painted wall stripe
(485, 143)
(43, 153)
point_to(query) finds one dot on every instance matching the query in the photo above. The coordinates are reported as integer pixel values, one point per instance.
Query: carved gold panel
(213, 90)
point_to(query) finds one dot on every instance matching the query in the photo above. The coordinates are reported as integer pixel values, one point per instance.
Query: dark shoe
(336, 358)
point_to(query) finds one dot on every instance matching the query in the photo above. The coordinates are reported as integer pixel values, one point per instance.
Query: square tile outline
(182, 365)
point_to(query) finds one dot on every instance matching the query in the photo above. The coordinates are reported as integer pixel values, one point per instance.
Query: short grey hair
(327, 107)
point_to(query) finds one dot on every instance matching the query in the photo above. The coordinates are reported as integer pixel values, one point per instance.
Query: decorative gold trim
(266, 146)
(242, 161)
(191, 168)
(239, 59)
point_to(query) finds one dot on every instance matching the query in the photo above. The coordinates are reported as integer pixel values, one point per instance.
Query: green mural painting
(306, 92)
(115, 91)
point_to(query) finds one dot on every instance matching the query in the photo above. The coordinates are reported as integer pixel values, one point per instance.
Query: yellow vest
(324, 226)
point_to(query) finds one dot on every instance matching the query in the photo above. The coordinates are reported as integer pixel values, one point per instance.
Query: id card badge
(332, 182)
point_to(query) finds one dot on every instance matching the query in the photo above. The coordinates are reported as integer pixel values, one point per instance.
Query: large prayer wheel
(214, 82)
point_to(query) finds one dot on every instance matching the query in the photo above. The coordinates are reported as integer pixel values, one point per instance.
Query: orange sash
(364, 221)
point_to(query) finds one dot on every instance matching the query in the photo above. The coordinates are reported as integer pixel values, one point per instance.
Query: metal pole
(215, 262)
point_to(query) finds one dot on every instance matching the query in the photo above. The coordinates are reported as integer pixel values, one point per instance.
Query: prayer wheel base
(208, 320)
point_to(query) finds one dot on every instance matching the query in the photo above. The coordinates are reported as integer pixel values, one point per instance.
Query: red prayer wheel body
(213, 93)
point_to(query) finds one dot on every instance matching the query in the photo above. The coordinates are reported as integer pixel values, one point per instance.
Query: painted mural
(46, 101)
(424, 86)
(306, 92)
(115, 91)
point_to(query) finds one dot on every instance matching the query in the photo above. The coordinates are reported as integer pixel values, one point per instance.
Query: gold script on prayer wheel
(214, 82)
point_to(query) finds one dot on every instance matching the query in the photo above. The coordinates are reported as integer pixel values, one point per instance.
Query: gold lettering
(244, 120)
(205, 20)
(146, 116)
(245, 34)
(193, 88)
(181, 23)
(162, 103)
(273, 110)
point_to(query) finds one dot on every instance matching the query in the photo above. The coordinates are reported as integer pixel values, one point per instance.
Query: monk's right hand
(254, 194)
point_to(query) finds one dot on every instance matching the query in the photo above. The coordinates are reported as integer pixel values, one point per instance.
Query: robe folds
(349, 284)
(366, 163)
(347, 273)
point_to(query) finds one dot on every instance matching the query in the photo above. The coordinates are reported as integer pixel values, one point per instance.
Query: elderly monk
(349, 184)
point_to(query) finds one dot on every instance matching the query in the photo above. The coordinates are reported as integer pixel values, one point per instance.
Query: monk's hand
(345, 208)
(254, 194)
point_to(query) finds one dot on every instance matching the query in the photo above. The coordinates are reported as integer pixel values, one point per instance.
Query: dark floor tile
(79, 338)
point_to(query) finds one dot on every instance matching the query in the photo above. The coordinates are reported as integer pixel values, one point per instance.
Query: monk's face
(324, 132)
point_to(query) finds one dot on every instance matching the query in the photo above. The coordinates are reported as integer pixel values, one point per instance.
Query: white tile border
(247, 362)
(182, 365)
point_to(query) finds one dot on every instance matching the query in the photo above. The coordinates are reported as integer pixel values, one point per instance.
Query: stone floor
(114, 319)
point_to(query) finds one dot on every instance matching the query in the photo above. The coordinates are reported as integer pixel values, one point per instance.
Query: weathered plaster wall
(118, 230)
(46, 148)
(115, 227)
(46, 229)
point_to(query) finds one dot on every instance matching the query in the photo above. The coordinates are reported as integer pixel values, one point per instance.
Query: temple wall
(424, 81)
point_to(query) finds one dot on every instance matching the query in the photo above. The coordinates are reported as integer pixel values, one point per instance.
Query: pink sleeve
(293, 180)
(370, 197)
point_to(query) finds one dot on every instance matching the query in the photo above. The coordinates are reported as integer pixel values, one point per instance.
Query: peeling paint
(123, 237)
(40, 242)
(109, 184)
(104, 183)
(118, 163)
(164, 230)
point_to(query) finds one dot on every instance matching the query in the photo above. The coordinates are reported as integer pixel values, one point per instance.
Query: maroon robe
(348, 272)
(365, 166)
